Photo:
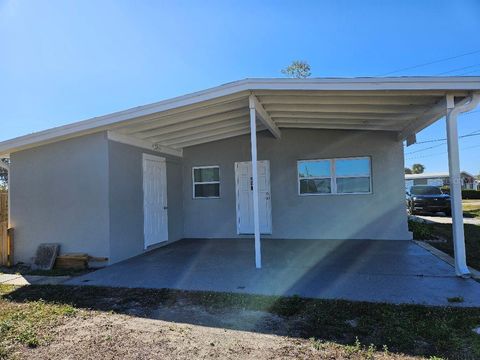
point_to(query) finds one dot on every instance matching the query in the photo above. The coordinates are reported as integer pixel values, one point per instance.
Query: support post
(256, 218)
(461, 267)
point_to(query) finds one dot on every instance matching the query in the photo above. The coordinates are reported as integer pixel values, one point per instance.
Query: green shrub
(421, 231)
(470, 194)
(466, 194)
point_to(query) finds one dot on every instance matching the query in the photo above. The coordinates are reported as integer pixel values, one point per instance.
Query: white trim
(205, 182)
(333, 177)
(161, 160)
(256, 211)
(105, 122)
(153, 157)
(237, 197)
(459, 251)
(143, 144)
(264, 117)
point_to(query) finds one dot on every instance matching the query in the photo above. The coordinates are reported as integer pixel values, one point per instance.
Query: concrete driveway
(363, 270)
(446, 219)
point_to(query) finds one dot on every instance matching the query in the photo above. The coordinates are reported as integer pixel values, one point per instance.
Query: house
(439, 179)
(327, 157)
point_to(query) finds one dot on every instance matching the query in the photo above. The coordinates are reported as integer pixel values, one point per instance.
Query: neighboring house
(439, 179)
(330, 166)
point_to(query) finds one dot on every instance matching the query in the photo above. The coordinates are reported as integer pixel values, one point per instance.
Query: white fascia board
(444, 83)
(144, 144)
(101, 123)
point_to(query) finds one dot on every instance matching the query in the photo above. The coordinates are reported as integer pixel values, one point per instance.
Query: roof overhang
(401, 105)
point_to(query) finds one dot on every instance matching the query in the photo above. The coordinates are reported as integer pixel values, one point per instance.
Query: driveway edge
(445, 257)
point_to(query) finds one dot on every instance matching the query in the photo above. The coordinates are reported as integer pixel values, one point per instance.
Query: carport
(398, 107)
(376, 271)
(403, 106)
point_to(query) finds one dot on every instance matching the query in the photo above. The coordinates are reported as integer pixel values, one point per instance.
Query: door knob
(165, 207)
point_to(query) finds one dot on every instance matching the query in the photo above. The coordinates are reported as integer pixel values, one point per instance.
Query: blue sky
(63, 61)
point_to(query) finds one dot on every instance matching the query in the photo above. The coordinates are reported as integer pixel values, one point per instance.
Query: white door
(244, 187)
(155, 212)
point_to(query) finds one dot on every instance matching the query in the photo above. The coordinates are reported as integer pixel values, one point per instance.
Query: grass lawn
(472, 241)
(55, 322)
(471, 208)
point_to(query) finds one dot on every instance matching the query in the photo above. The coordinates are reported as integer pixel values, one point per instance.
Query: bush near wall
(466, 194)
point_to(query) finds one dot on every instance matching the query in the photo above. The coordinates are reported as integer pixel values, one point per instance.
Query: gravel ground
(91, 335)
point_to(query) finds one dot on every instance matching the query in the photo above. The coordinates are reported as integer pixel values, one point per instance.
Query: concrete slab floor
(359, 270)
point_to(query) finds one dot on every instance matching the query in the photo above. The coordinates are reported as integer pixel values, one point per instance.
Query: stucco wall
(380, 215)
(126, 199)
(86, 193)
(59, 194)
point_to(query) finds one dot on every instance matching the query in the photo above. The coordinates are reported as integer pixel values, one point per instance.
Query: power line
(443, 139)
(468, 72)
(431, 62)
(458, 69)
(474, 133)
(442, 153)
(428, 148)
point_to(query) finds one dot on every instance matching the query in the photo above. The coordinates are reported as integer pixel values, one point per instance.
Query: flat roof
(432, 175)
(403, 105)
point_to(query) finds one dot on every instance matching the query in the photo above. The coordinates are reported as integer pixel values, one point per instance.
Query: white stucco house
(440, 179)
(259, 158)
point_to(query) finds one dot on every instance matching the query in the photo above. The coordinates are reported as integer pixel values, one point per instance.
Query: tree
(3, 175)
(408, 170)
(418, 168)
(297, 69)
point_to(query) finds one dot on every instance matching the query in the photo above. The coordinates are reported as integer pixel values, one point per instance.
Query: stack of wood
(76, 261)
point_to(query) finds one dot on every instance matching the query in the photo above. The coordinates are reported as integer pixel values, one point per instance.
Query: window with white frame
(334, 176)
(206, 182)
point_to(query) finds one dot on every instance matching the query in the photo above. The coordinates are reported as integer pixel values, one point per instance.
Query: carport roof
(402, 105)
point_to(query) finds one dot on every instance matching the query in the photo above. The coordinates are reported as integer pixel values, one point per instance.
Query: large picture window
(334, 176)
(206, 182)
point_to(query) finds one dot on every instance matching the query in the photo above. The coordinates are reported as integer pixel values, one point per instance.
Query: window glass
(353, 185)
(313, 169)
(206, 182)
(207, 190)
(206, 174)
(315, 186)
(352, 167)
(347, 176)
(425, 190)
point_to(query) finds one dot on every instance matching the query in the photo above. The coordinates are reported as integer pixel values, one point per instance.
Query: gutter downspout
(461, 267)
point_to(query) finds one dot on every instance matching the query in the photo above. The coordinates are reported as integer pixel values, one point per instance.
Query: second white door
(155, 211)
(244, 192)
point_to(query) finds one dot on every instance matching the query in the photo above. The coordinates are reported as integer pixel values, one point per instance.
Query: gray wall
(59, 194)
(86, 192)
(380, 215)
(126, 199)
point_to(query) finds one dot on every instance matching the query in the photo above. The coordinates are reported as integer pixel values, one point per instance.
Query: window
(206, 182)
(315, 176)
(334, 176)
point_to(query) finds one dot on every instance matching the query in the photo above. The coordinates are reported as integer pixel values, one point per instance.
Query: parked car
(428, 199)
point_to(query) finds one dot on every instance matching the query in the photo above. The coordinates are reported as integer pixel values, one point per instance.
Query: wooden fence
(5, 241)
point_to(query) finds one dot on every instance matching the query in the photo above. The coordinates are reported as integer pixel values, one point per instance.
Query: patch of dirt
(183, 332)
